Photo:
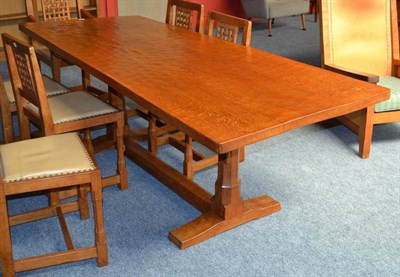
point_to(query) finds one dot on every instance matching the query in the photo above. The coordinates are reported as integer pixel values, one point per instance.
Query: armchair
(361, 40)
(271, 9)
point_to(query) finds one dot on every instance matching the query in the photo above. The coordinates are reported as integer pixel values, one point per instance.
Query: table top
(221, 94)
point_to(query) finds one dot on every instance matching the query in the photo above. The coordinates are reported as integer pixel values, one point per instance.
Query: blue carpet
(340, 214)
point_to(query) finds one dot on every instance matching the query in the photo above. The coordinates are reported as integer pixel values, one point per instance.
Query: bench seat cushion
(393, 103)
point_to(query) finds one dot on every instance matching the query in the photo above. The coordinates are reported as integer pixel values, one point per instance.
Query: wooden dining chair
(364, 46)
(49, 163)
(228, 28)
(73, 111)
(181, 14)
(53, 10)
(8, 107)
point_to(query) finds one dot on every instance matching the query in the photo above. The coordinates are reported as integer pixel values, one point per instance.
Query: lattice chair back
(184, 14)
(26, 77)
(227, 32)
(54, 10)
(183, 18)
(228, 27)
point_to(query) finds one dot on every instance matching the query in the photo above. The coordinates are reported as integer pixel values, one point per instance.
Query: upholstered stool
(49, 163)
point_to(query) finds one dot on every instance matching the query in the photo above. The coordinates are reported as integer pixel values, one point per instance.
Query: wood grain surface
(223, 95)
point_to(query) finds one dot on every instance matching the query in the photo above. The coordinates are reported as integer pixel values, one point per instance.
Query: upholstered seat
(8, 107)
(393, 103)
(35, 158)
(74, 106)
(52, 88)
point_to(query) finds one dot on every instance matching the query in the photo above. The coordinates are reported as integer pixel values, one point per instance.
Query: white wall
(154, 9)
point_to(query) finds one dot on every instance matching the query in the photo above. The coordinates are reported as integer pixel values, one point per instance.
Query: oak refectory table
(224, 96)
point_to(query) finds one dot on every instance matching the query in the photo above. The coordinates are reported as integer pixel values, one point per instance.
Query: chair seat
(393, 103)
(75, 106)
(282, 8)
(52, 88)
(29, 159)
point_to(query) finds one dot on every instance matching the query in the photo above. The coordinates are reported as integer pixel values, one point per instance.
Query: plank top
(221, 94)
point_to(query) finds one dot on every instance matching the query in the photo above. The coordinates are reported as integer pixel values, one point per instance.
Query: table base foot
(210, 224)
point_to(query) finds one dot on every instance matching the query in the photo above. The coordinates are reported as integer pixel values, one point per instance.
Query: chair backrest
(3, 93)
(360, 35)
(26, 79)
(52, 10)
(227, 27)
(184, 14)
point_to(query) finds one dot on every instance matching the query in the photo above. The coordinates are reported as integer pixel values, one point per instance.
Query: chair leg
(152, 134)
(88, 141)
(270, 27)
(55, 68)
(365, 132)
(118, 100)
(85, 79)
(83, 201)
(24, 127)
(303, 21)
(64, 228)
(115, 99)
(188, 170)
(7, 261)
(121, 167)
(54, 198)
(6, 118)
(100, 234)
